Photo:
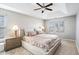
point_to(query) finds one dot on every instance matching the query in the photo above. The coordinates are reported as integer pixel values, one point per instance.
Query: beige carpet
(67, 48)
(17, 51)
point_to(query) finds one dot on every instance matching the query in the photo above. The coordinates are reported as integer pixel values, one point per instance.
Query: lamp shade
(42, 27)
(15, 27)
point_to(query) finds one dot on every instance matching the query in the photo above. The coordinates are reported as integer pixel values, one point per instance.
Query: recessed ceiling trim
(15, 10)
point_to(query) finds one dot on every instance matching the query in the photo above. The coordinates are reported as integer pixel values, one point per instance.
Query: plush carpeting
(17, 51)
(67, 48)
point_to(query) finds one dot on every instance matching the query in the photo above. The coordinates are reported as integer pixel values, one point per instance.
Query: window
(2, 27)
(56, 26)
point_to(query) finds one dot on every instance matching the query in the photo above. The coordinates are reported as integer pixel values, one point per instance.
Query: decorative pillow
(26, 33)
(27, 38)
(31, 33)
(39, 32)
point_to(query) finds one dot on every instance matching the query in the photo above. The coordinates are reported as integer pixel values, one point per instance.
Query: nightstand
(12, 43)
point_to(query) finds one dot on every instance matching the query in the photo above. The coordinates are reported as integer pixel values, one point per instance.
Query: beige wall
(69, 27)
(77, 31)
(22, 21)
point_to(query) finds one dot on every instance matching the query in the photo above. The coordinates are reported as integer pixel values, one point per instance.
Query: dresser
(12, 43)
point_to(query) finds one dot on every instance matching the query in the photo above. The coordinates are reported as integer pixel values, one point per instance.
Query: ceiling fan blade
(37, 9)
(48, 9)
(39, 4)
(49, 5)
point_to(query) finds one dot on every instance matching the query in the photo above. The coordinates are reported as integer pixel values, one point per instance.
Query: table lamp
(15, 28)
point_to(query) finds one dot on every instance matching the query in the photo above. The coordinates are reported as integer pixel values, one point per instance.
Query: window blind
(2, 27)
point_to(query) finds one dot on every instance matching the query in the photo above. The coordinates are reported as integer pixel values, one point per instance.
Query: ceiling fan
(44, 7)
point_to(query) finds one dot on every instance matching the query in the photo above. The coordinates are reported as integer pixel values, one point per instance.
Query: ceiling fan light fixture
(44, 7)
(42, 11)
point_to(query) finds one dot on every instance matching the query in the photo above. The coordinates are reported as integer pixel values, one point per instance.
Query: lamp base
(16, 34)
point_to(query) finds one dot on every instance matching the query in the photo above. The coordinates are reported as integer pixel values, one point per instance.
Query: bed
(42, 44)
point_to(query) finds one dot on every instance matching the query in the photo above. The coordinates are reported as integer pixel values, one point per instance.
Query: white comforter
(49, 36)
(42, 41)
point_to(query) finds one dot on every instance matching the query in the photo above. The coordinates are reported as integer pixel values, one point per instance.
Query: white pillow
(26, 33)
(40, 32)
(27, 38)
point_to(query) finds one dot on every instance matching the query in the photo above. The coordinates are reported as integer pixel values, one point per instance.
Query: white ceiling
(59, 9)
